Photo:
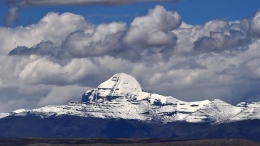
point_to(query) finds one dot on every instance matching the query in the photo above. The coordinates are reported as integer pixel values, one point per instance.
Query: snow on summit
(120, 84)
(121, 96)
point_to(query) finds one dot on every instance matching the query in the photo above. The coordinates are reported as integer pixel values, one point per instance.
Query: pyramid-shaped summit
(119, 85)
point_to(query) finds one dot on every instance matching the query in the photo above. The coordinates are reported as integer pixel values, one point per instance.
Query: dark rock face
(78, 127)
(85, 97)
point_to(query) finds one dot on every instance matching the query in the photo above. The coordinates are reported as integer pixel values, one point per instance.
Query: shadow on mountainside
(77, 127)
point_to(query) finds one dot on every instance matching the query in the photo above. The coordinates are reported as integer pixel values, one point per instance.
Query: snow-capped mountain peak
(120, 84)
(121, 96)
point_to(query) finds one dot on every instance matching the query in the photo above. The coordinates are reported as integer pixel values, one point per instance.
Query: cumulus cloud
(64, 94)
(251, 25)
(26, 96)
(154, 29)
(219, 41)
(43, 48)
(52, 27)
(40, 66)
(102, 40)
(255, 25)
(217, 26)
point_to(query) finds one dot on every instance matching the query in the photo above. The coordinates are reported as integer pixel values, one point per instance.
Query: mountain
(120, 103)
(122, 97)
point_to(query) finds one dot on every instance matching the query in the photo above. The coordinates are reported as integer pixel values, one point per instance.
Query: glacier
(122, 97)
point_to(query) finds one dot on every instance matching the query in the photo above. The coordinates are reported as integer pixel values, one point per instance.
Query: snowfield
(122, 97)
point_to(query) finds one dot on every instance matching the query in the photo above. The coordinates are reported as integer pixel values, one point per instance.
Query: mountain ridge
(122, 97)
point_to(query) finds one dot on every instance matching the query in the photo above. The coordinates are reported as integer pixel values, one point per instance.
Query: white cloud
(255, 24)
(192, 62)
(217, 26)
(102, 40)
(64, 94)
(53, 27)
(252, 25)
(154, 29)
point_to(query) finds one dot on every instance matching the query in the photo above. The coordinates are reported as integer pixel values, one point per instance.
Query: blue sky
(191, 11)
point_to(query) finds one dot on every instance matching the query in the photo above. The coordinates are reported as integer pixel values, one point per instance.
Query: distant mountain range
(120, 107)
